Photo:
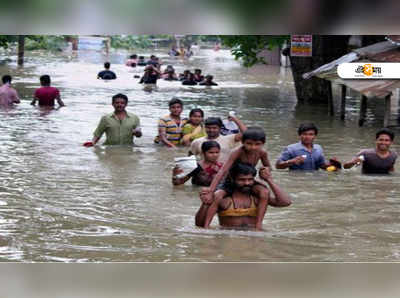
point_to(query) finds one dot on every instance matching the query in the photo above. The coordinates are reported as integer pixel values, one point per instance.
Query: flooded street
(60, 201)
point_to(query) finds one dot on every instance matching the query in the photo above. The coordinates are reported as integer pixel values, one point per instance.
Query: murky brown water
(60, 201)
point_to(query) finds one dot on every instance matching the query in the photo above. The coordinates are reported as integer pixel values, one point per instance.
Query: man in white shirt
(213, 129)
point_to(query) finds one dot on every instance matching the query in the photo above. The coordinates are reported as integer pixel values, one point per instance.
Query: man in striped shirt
(170, 126)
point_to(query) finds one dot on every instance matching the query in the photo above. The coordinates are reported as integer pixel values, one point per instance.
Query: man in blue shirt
(304, 155)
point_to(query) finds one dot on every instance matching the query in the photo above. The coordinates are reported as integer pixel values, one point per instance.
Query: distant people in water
(169, 74)
(141, 61)
(194, 128)
(185, 75)
(195, 48)
(151, 75)
(132, 61)
(46, 95)
(8, 95)
(106, 74)
(208, 81)
(188, 52)
(206, 168)
(190, 80)
(155, 61)
(217, 46)
(197, 75)
(182, 52)
(173, 52)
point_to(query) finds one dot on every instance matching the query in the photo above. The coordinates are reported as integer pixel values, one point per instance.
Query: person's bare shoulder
(225, 203)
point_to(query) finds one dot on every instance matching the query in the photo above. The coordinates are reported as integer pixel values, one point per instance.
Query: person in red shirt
(46, 94)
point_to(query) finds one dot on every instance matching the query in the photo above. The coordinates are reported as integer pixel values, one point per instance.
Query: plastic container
(362, 158)
(331, 168)
(187, 164)
(230, 127)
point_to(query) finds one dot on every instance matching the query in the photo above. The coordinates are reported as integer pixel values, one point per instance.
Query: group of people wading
(227, 151)
(226, 163)
(153, 72)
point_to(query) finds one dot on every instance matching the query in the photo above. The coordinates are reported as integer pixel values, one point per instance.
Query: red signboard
(301, 45)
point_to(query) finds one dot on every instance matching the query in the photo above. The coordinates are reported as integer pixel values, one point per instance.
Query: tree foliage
(36, 42)
(248, 47)
(5, 40)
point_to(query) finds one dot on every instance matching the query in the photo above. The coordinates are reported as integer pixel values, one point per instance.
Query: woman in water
(194, 128)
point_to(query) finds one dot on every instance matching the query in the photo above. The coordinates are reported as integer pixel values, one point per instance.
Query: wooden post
(363, 110)
(331, 107)
(21, 49)
(343, 103)
(387, 110)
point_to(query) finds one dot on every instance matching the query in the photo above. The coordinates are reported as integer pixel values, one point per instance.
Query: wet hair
(120, 95)
(197, 70)
(385, 131)
(242, 169)
(186, 71)
(254, 133)
(141, 57)
(213, 121)
(307, 126)
(208, 145)
(45, 80)
(152, 57)
(209, 77)
(134, 56)
(175, 101)
(192, 111)
(107, 65)
(6, 79)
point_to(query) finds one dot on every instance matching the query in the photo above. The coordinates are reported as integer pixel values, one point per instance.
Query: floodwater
(60, 201)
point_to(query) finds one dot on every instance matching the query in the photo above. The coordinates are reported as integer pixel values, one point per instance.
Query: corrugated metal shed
(386, 51)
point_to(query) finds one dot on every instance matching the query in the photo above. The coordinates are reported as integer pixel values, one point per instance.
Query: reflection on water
(60, 201)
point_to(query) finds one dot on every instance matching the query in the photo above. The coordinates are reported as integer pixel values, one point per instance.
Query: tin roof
(387, 51)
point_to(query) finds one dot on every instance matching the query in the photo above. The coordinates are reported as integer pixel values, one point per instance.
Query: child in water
(194, 128)
(206, 169)
(251, 152)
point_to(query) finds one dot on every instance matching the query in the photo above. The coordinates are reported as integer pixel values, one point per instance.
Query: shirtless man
(8, 95)
(239, 209)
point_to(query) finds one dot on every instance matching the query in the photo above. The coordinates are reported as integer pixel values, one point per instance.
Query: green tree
(248, 47)
(325, 48)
